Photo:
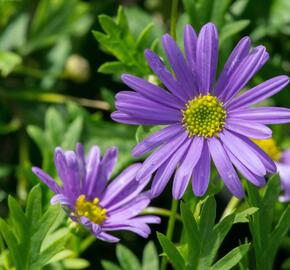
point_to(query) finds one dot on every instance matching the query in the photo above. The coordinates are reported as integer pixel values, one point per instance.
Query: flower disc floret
(204, 116)
(90, 209)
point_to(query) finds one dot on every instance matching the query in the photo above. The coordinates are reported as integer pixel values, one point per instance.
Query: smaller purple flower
(282, 161)
(89, 199)
(283, 168)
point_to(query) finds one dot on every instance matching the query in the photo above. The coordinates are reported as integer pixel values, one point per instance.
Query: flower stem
(232, 205)
(170, 228)
(173, 18)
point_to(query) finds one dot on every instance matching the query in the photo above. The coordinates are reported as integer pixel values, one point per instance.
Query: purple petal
(151, 91)
(61, 167)
(237, 55)
(207, 57)
(285, 157)
(104, 172)
(284, 172)
(244, 72)
(74, 173)
(243, 152)
(186, 167)
(134, 104)
(131, 209)
(141, 229)
(225, 167)
(92, 168)
(249, 128)
(147, 120)
(167, 169)
(259, 93)
(155, 160)
(156, 139)
(164, 75)
(107, 237)
(124, 188)
(263, 115)
(80, 154)
(182, 71)
(63, 200)
(266, 160)
(46, 179)
(253, 178)
(190, 40)
(201, 173)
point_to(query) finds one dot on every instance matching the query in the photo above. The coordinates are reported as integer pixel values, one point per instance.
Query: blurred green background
(60, 63)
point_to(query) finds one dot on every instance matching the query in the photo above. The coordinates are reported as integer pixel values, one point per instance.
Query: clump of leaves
(32, 236)
(120, 42)
(129, 261)
(203, 239)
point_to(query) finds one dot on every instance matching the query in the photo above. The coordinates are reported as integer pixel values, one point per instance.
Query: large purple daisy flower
(204, 119)
(90, 201)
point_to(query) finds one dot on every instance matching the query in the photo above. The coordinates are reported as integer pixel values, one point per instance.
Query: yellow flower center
(90, 209)
(204, 116)
(270, 147)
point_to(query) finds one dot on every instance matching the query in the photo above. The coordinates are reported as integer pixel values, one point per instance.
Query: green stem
(170, 229)
(86, 243)
(54, 98)
(232, 205)
(173, 18)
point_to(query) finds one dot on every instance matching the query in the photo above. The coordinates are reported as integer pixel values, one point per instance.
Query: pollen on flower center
(204, 116)
(270, 147)
(90, 209)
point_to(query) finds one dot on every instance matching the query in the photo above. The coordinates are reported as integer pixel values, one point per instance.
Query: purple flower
(283, 168)
(91, 201)
(203, 119)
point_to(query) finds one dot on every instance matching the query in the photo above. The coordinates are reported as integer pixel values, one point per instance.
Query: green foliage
(26, 233)
(266, 237)
(120, 42)
(203, 239)
(8, 62)
(57, 132)
(217, 11)
(128, 260)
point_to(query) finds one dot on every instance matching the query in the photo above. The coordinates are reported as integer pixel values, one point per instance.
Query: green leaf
(232, 258)
(45, 224)
(192, 236)
(12, 243)
(242, 217)
(8, 62)
(34, 207)
(150, 259)
(38, 137)
(171, 251)
(207, 217)
(218, 12)
(110, 266)
(46, 255)
(73, 133)
(232, 28)
(113, 67)
(54, 126)
(75, 263)
(279, 233)
(191, 10)
(127, 258)
(20, 222)
(119, 41)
